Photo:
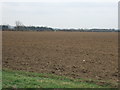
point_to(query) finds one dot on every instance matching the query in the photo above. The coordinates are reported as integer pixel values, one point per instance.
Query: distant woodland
(36, 28)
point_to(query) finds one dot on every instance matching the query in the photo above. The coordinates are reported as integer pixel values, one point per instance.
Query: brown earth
(92, 55)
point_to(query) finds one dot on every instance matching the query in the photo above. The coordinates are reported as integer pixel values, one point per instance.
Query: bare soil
(92, 55)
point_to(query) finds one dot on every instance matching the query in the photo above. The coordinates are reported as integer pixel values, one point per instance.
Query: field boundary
(30, 76)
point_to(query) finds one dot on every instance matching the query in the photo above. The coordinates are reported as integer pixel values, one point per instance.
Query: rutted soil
(91, 55)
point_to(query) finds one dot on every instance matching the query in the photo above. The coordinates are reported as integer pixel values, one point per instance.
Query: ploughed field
(92, 55)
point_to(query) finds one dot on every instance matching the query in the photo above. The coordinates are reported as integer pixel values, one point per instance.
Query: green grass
(0, 79)
(21, 79)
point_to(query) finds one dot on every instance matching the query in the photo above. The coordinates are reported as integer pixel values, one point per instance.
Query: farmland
(79, 55)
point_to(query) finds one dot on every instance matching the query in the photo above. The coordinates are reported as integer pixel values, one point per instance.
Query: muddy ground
(92, 55)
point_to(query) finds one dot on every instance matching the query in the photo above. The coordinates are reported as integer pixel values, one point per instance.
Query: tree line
(34, 28)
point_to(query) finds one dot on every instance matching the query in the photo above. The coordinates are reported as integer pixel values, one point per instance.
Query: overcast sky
(61, 13)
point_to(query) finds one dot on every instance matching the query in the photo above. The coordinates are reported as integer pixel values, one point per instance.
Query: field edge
(22, 79)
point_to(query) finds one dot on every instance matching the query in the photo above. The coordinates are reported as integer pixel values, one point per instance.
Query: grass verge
(21, 79)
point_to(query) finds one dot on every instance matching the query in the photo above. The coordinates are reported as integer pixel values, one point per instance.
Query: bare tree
(19, 25)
